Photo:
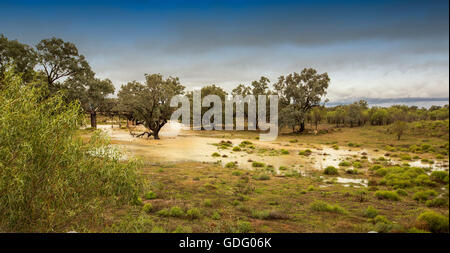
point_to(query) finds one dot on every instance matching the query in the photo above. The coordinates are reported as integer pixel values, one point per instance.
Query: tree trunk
(302, 127)
(156, 134)
(94, 120)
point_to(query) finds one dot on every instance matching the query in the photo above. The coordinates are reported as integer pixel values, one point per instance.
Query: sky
(371, 49)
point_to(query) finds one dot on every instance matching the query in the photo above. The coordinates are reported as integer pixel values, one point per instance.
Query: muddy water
(178, 144)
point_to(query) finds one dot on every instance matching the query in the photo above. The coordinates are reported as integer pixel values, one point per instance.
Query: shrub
(406, 158)
(150, 195)
(283, 168)
(215, 154)
(51, 179)
(183, 229)
(172, 212)
(193, 213)
(321, 206)
(376, 167)
(424, 195)
(433, 222)
(261, 177)
(357, 165)
(293, 141)
(381, 172)
(245, 143)
(440, 176)
(305, 152)
(437, 202)
(284, 152)
(207, 203)
(148, 208)
(370, 212)
(401, 192)
(236, 148)
(390, 195)
(330, 170)
(236, 173)
(244, 227)
(382, 224)
(352, 172)
(230, 165)
(344, 164)
(258, 164)
(216, 216)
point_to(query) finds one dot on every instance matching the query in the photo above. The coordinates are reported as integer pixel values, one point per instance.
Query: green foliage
(344, 164)
(390, 195)
(357, 165)
(382, 224)
(284, 152)
(330, 170)
(370, 212)
(433, 222)
(305, 152)
(236, 173)
(258, 164)
(424, 195)
(236, 148)
(401, 192)
(150, 195)
(216, 216)
(243, 227)
(193, 213)
(230, 165)
(320, 206)
(261, 177)
(437, 202)
(50, 179)
(215, 154)
(440, 176)
(148, 208)
(172, 212)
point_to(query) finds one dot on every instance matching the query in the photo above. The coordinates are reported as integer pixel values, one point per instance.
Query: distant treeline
(60, 68)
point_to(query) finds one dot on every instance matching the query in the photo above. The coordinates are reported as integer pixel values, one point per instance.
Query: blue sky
(369, 48)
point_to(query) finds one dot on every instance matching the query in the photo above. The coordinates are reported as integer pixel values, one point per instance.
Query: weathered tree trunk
(94, 120)
(156, 134)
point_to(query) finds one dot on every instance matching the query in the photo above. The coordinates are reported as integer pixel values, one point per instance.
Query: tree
(398, 128)
(60, 59)
(92, 94)
(303, 91)
(20, 56)
(150, 102)
(317, 116)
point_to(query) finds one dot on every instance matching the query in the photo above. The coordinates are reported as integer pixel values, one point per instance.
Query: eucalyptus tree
(59, 60)
(150, 102)
(17, 55)
(303, 91)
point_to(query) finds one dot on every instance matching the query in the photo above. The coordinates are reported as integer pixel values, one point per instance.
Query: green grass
(389, 195)
(320, 206)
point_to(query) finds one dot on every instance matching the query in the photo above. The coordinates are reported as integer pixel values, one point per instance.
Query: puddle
(347, 182)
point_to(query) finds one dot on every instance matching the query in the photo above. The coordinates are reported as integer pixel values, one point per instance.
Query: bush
(50, 179)
(284, 152)
(401, 192)
(330, 170)
(424, 195)
(321, 206)
(344, 164)
(216, 216)
(440, 176)
(236, 148)
(207, 203)
(258, 164)
(306, 152)
(230, 165)
(261, 177)
(357, 165)
(382, 224)
(150, 195)
(193, 213)
(172, 212)
(370, 212)
(148, 208)
(236, 173)
(283, 168)
(437, 202)
(376, 167)
(433, 222)
(390, 195)
(244, 227)
(215, 154)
